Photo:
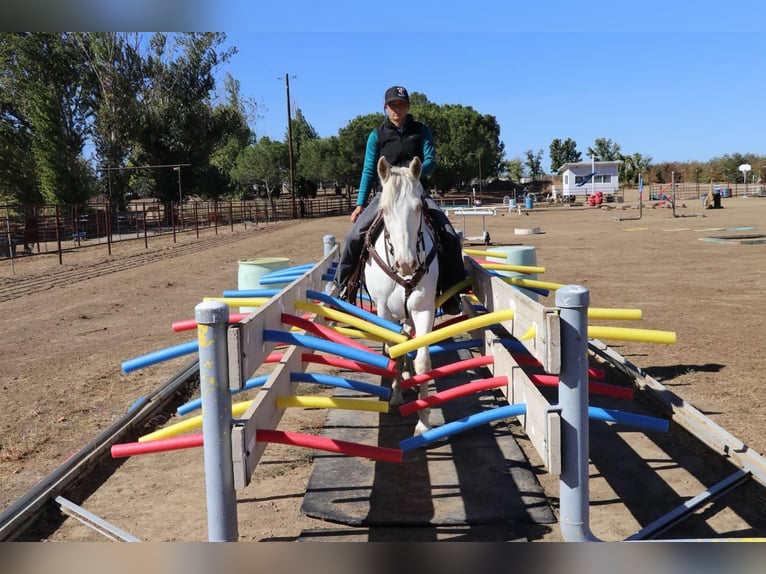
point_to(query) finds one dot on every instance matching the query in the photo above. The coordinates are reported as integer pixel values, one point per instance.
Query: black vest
(399, 148)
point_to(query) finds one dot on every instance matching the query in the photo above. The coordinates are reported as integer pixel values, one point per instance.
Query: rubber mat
(479, 476)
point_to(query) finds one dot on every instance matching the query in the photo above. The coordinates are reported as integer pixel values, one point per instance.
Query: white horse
(402, 270)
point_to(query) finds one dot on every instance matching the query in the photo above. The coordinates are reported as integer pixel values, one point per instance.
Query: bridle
(424, 259)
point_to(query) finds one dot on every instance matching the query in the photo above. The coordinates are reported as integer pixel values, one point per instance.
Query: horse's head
(402, 206)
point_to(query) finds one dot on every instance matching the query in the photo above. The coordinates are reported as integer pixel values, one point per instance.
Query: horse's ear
(384, 168)
(416, 167)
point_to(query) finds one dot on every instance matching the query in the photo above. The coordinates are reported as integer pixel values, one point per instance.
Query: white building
(578, 179)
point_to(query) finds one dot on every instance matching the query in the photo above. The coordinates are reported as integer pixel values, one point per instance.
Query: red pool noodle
(330, 445)
(453, 393)
(463, 365)
(531, 361)
(189, 324)
(263, 435)
(593, 386)
(323, 331)
(159, 445)
(347, 364)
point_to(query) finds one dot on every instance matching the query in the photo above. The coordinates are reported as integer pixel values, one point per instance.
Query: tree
(633, 166)
(534, 163)
(177, 123)
(562, 153)
(51, 114)
(352, 143)
(515, 169)
(605, 150)
(262, 167)
(467, 143)
(114, 63)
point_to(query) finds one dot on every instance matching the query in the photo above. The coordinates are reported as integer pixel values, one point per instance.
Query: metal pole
(673, 187)
(593, 174)
(290, 147)
(573, 301)
(212, 319)
(328, 244)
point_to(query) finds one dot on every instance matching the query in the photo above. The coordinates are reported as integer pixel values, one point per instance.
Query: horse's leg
(423, 322)
(401, 362)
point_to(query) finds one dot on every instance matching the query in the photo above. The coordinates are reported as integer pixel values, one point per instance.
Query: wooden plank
(687, 416)
(247, 349)
(263, 413)
(542, 422)
(529, 316)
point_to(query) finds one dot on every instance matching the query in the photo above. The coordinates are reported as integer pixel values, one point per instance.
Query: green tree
(262, 167)
(605, 150)
(177, 122)
(352, 143)
(633, 166)
(114, 64)
(562, 153)
(534, 163)
(45, 72)
(515, 169)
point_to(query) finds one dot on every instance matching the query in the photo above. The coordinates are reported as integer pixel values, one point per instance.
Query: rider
(399, 139)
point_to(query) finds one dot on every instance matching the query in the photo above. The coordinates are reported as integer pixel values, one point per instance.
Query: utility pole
(290, 147)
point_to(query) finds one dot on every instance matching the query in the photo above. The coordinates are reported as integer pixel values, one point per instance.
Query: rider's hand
(356, 213)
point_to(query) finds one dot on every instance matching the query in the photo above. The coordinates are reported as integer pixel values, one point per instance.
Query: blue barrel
(529, 202)
(725, 192)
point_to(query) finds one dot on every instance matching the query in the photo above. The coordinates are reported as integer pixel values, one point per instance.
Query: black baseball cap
(397, 94)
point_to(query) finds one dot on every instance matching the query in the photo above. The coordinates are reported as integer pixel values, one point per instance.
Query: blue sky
(674, 80)
(669, 95)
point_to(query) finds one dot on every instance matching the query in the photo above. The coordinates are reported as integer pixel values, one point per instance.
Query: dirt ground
(67, 329)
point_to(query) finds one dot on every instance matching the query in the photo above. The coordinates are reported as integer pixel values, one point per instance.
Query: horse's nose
(407, 266)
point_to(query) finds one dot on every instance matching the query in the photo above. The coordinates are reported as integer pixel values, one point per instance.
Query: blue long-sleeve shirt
(372, 153)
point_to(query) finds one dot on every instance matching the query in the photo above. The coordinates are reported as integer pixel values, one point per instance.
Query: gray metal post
(573, 301)
(212, 319)
(328, 242)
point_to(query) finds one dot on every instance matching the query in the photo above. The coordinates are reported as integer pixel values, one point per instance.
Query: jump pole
(212, 320)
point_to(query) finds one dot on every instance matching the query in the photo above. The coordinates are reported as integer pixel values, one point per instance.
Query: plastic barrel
(529, 202)
(517, 255)
(251, 271)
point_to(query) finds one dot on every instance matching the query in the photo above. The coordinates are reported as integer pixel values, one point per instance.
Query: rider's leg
(451, 266)
(354, 243)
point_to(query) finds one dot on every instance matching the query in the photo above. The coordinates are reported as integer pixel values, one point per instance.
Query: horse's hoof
(420, 428)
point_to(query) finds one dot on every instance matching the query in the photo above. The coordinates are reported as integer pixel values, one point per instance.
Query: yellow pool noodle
(349, 319)
(240, 301)
(616, 314)
(508, 267)
(532, 283)
(481, 253)
(450, 331)
(332, 403)
(624, 334)
(190, 424)
(357, 334)
(456, 288)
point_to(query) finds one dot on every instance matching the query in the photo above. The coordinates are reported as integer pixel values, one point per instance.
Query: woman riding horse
(399, 139)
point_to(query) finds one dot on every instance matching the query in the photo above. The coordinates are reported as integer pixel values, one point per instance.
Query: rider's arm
(369, 174)
(429, 152)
